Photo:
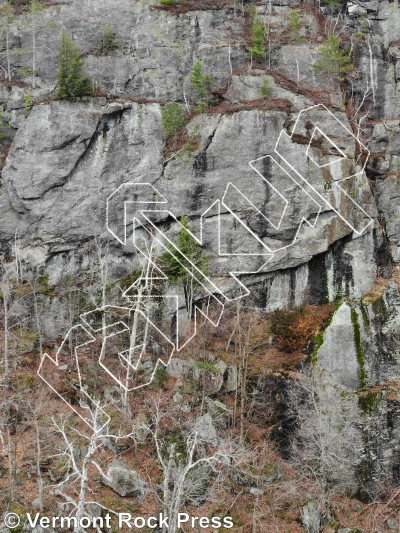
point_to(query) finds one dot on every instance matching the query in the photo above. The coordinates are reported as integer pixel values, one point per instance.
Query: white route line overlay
(140, 191)
(337, 183)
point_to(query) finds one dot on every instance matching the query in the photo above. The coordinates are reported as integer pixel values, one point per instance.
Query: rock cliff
(65, 159)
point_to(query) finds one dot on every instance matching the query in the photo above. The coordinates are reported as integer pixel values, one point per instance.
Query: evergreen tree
(334, 62)
(202, 84)
(108, 41)
(333, 5)
(258, 38)
(5, 128)
(173, 118)
(295, 24)
(178, 270)
(266, 87)
(72, 81)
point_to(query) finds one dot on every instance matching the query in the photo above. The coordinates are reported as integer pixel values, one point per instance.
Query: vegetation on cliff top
(72, 81)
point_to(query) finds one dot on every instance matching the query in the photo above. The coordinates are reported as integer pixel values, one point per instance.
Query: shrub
(28, 101)
(295, 24)
(108, 41)
(266, 88)
(295, 328)
(207, 367)
(191, 144)
(5, 128)
(333, 4)
(43, 279)
(335, 61)
(363, 28)
(258, 31)
(25, 382)
(173, 119)
(160, 376)
(72, 81)
(202, 85)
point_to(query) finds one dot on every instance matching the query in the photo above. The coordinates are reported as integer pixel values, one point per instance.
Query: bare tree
(5, 288)
(12, 423)
(7, 18)
(7, 428)
(34, 411)
(78, 450)
(327, 444)
(7, 283)
(243, 325)
(189, 470)
(21, 308)
(141, 296)
(35, 16)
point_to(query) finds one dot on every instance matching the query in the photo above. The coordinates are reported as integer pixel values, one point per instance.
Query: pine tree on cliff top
(72, 81)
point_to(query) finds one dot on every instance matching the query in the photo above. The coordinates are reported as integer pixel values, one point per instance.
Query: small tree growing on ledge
(173, 118)
(180, 270)
(5, 128)
(266, 87)
(72, 81)
(258, 32)
(109, 43)
(202, 85)
(335, 61)
(295, 25)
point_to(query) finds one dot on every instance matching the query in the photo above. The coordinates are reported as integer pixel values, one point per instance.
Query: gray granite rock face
(57, 186)
(67, 158)
(338, 354)
(113, 145)
(360, 354)
(156, 49)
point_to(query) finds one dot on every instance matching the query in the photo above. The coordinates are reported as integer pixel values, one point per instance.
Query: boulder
(220, 413)
(179, 368)
(256, 492)
(124, 481)
(231, 379)
(311, 518)
(181, 403)
(355, 10)
(210, 376)
(206, 430)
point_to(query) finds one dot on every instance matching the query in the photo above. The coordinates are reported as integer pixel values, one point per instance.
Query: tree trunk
(8, 56)
(34, 55)
(38, 471)
(11, 464)
(6, 334)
